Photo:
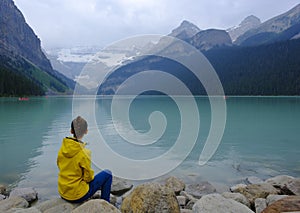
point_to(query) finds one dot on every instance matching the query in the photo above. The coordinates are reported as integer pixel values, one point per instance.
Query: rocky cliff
(248, 23)
(271, 28)
(17, 38)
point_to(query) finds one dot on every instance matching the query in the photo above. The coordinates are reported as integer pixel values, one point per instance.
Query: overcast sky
(69, 23)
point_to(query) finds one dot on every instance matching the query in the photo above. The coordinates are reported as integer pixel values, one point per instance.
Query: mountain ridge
(22, 57)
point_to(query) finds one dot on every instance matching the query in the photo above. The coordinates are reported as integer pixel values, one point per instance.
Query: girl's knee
(108, 172)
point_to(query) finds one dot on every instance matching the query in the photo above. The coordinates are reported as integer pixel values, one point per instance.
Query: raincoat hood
(71, 146)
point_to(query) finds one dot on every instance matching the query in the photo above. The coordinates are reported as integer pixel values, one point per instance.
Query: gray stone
(190, 204)
(254, 180)
(95, 206)
(294, 186)
(279, 181)
(22, 210)
(113, 199)
(44, 206)
(187, 195)
(120, 186)
(289, 204)
(2, 197)
(28, 194)
(273, 198)
(2, 189)
(151, 197)
(260, 205)
(216, 203)
(181, 200)
(186, 211)
(62, 208)
(200, 189)
(175, 184)
(13, 202)
(257, 191)
(235, 187)
(237, 197)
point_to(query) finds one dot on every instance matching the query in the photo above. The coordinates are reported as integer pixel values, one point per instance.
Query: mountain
(212, 38)
(185, 31)
(272, 29)
(22, 58)
(248, 23)
(70, 61)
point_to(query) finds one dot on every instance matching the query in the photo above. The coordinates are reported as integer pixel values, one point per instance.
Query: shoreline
(188, 196)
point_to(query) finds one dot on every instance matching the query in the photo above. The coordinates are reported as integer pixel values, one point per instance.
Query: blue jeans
(101, 181)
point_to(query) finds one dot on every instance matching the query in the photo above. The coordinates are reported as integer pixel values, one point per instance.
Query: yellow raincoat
(74, 163)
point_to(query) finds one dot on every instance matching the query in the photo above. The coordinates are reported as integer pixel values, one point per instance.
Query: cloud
(66, 23)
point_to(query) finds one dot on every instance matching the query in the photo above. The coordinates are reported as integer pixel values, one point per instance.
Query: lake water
(261, 138)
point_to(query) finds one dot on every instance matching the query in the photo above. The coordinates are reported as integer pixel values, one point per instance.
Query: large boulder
(253, 180)
(255, 191)
(49, 204)
(27, 210)
(2, 189)
(288, 204)
(280, 182)
(28, 194)
(200, 189)
(273, 198)
(150, 197)
(237, 197)
(260, 204)
(293, 186)
(216, 203)
(13, 202)
(62, 208)
(175, 184)
(120, 186)
(95, 206)
(2, 197)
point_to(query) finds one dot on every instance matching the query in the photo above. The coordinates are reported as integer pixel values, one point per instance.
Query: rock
(150, 197)
(13, 202)
(95, 206)
(120, 186)
(181, 200)
(175, 184)
(200, 189)
(28, 194)
(235, 187)
(288, 204)
(186, 211)
(260, 205)
(187, 195)
(21, 210)
(190, 200)
(273, 198)
(254, 180)
(62, 208)
(216, 203)
(2, 189)
(97, 195)
(2, 197)
(279, 181)
(257, 191)
(294, 186)
(44, 206)
(190, 204)
(237, 197)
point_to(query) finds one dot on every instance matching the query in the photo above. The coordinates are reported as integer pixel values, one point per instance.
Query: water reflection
(24, 126)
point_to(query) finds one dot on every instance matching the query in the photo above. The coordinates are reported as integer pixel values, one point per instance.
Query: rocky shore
(277, 194)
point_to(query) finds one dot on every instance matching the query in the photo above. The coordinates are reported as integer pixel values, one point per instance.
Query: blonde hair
(79, 127)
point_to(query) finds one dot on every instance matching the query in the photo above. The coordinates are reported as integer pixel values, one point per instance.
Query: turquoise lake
(261, 138)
